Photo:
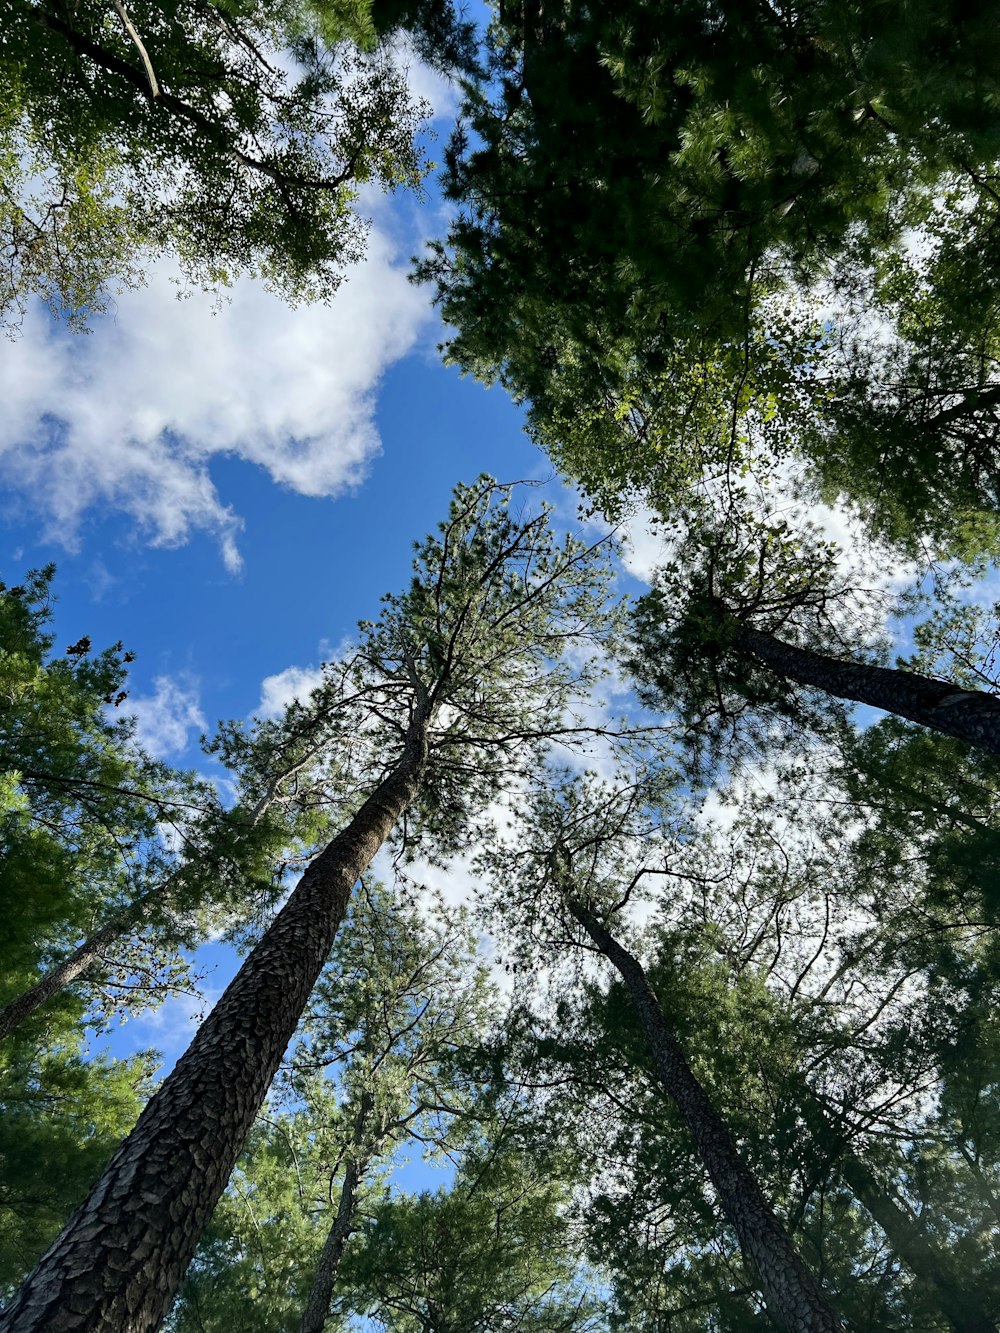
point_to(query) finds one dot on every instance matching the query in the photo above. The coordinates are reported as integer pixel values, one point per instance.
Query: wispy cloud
(165, 718)
(427, 85)
(131, 417)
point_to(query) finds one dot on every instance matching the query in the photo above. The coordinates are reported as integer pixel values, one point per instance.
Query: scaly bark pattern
(794, 1297)
(121, 1256)
(970, 715)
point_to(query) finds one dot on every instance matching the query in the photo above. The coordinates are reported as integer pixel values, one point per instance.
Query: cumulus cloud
(285, 687)
(164, 719)
(131, 417)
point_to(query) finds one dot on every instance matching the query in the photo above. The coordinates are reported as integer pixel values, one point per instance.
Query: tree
(456, 685)
(910, 425)
(969, 715)
(687, 239)
(791, 1291)
(234, 137)
(85, 818)
(113, 864)
(423, 1005)
(378, 1062)
(494, 1251)
(568, 833)
(819, 989)
(917, 791)
(81, 803)
(747, 609)
(874, 995)
(962, 1305)
(824, 1162)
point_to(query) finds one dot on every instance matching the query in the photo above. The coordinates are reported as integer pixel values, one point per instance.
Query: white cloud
(170, 1028)
(426, 85)
(645, 545)
(130, 417)
(285, 687)
(164, 718)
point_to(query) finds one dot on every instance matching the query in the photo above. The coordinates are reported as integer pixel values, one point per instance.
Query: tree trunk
(76, 963)
(794, 1297)
(318, 1305)
(121, 1256)
(960, 1304)
(67, 971)
(969, 715)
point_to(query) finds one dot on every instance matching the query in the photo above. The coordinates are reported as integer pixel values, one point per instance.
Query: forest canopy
(233, 137)
(613, 907)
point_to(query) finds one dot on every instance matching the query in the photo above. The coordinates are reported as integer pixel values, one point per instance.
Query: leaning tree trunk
(64, 973)
(794, 1297)
(67, 971)
(320, 1293)
(960, 1304)
(121, 1256)
(969, 715)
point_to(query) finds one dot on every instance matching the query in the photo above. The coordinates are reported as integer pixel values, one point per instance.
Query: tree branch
(154, 87)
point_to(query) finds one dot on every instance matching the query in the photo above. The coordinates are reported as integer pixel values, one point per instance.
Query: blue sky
(227, 487)
(311, 565)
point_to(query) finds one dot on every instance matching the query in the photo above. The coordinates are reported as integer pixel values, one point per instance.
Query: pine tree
(451, 690)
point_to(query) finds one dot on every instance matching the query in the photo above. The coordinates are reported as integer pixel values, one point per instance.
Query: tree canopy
(678, 229)
(233, 137)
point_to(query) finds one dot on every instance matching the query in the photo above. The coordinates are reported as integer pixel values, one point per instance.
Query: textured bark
(970, 715)
(320, 1293)
(67, 971)
(121, 1256)
(794, 1297)
(960, 1304)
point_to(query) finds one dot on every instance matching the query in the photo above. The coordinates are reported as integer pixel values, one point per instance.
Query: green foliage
(910, 426)
(756, 570)
(928, 796)
(81, 831)
(441, 34)
(235, 137)
(497, 635)
(495, 1250)
(829, 993)
(251, 1272)
(62, 1114)
(690, 242)
(93, 834)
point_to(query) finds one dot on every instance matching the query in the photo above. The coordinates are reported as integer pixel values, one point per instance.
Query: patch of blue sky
(312, 565)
